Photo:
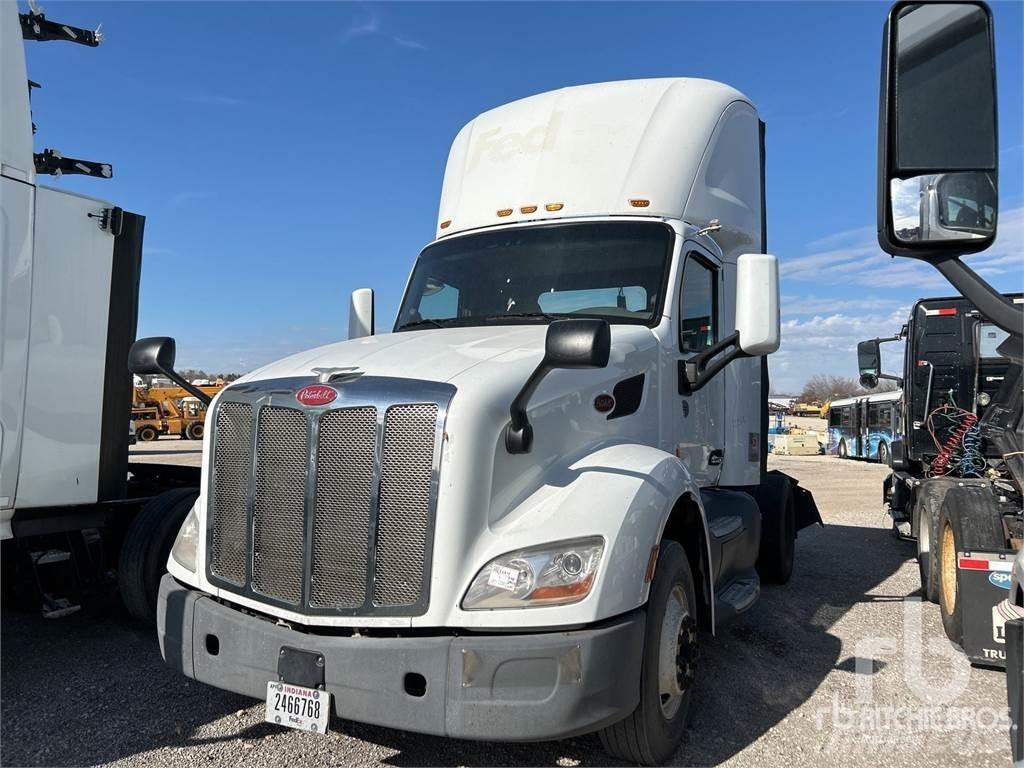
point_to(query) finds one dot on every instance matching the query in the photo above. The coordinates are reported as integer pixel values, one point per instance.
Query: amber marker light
(554, 206)
(639, 203)
(446, 224)
(505, 212)
(528, 209)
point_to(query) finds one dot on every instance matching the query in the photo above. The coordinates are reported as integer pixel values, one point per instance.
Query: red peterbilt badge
(316, 394)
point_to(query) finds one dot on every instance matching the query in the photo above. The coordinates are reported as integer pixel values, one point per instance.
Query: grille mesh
(278, 515)
(344, 483)
(404, 511)
(231, 459)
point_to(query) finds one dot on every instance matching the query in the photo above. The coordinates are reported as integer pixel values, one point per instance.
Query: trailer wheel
(148, 543)
(194, 431)
(968, 520)
(883, 453)
(146, 434)
(928, 548)
(778, 529)
(842, 449)
(654, 731)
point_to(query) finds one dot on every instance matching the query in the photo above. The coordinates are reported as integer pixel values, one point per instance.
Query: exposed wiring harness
(959, 448)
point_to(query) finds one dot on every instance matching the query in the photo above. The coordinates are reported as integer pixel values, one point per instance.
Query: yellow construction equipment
(169, 411)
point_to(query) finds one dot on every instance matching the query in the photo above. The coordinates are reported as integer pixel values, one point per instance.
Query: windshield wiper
(421, 323)
(527, 315)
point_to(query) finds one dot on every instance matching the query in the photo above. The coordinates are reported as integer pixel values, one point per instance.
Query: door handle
(716, 457)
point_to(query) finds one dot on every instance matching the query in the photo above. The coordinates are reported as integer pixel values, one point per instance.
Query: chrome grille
(279, 504)
(341, 525)
(231, 458)
(326, 510)
(406, 474)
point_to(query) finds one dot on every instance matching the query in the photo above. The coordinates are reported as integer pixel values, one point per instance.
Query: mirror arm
(182, 382)
(519, 433)
(697, 371)
(992, 304)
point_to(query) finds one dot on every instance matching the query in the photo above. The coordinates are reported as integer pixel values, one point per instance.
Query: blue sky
(286, 153)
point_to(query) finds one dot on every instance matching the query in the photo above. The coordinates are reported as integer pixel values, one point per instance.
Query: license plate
(305, 709)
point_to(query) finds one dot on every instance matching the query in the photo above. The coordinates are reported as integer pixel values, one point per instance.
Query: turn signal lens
(639, 203)
(554, 207)
(187, 542)
(505, 212)
(528, 209)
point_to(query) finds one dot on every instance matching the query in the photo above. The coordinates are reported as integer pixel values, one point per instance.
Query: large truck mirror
(154, 355)
(757, 303)
(360, 313)
(937, 188)
(571, 343)
(869, 359)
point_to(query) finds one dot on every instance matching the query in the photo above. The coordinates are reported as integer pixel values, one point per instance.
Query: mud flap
(805, 511)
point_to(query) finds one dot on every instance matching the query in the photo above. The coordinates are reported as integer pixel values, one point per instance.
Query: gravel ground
(841, 665)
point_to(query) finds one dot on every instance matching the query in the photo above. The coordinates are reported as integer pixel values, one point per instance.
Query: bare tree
(821, 388)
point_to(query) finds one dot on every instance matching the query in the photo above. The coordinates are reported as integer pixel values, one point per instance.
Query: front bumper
(509, 687)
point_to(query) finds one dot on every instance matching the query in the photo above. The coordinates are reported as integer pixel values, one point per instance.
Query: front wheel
(653, 733)
(143, 559)
(883, 453)
(842, 449)
(147, 434)
(194, 431)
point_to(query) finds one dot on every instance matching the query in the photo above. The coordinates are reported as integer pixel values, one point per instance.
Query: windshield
(615, 270)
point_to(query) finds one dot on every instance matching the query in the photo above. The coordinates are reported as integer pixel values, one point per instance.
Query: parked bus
(864, 427)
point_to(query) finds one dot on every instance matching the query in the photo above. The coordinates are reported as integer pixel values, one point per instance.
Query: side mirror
(757, 303)
(155, 356)
(360, 313)
(937, 194)
(582, 343)
(869, 362)
(757, 323)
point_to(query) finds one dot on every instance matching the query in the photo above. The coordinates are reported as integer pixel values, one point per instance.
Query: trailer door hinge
(35, 26)
(52, 163)
(109, 220)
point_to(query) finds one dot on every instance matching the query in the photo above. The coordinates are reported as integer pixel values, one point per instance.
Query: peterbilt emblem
(604, 403)
(316, 394)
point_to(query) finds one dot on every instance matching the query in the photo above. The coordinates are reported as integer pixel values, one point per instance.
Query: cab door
(699, 416)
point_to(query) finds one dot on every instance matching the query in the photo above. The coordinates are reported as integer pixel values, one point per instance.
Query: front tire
(195, 431)
(653, 733)
(883, 453)
(842, 449)
(144, 553)
(147, 434)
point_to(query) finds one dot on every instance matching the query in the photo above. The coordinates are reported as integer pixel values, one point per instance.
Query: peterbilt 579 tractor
(508, 517)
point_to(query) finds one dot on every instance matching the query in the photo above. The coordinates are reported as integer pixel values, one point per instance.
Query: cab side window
(698, 305)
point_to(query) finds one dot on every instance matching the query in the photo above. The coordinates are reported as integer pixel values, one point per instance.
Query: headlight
(552, 574)
(185, 546)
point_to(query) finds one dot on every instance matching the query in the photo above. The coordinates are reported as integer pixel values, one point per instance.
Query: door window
(698, 305)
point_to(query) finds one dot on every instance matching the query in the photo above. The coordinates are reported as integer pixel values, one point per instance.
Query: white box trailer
(507, 517)
(69, 287)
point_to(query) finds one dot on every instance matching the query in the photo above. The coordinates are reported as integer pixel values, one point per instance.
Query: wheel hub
(677, 652)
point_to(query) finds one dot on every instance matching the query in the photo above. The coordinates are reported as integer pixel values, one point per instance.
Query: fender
(622, 491)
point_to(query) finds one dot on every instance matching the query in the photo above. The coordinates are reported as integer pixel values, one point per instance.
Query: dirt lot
(844, 664)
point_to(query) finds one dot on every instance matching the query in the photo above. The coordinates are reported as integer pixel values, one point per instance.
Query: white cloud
(853, 258)
(406, 42)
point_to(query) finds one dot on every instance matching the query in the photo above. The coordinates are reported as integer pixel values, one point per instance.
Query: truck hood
(432, 354)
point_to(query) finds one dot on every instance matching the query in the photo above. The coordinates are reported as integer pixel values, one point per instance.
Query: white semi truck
(69, 285)
(508, 518)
